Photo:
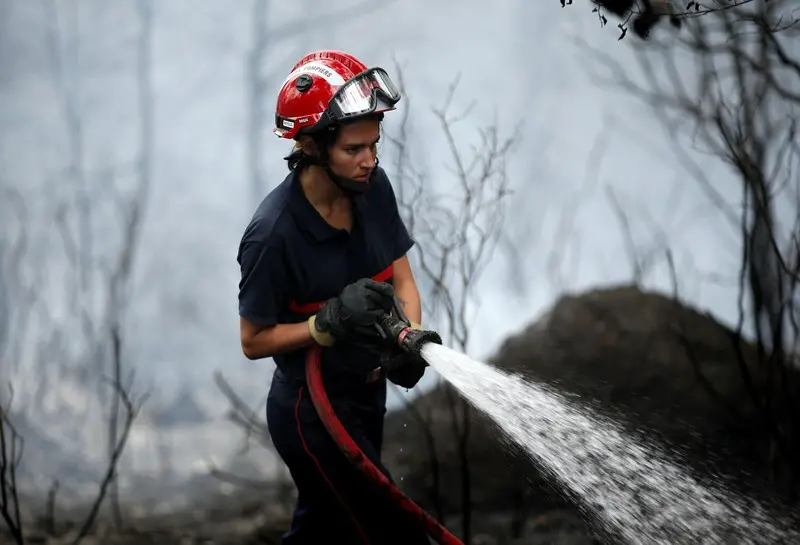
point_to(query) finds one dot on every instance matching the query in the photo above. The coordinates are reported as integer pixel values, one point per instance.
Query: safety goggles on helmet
(362, 94)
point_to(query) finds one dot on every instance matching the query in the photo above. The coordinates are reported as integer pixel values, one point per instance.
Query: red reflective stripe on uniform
(385, 274)
(311, 308)
(308, 308)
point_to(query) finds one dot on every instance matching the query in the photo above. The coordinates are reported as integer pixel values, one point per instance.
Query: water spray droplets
(630, 486)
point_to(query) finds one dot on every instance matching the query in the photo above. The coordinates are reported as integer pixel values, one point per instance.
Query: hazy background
(518, 60)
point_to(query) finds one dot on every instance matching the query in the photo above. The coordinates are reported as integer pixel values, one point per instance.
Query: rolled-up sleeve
(264, 282)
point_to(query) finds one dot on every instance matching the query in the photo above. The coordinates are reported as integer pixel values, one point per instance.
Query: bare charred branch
(458, 229)
(642, 260)
(232, 478)
(243, 416)
(96, 287)
(643, 16)
(50, 508)
(12, 446)
(726, 86)
(131, 408)
(132, 211)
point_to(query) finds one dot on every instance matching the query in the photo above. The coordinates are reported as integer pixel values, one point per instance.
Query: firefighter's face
(355, 150)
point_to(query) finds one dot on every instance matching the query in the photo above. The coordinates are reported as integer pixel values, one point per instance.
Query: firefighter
(323, 257)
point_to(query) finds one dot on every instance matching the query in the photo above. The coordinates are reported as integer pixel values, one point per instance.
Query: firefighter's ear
(307, 144)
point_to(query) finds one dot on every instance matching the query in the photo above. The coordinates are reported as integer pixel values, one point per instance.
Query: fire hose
(395, 328)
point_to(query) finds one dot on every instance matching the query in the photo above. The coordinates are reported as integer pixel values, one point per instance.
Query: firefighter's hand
(353, 313)
(405, 369)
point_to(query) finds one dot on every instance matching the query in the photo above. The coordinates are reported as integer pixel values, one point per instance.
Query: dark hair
(323, 140)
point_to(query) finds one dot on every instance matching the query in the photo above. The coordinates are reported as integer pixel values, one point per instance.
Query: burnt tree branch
(12, 446)
(131, 407)
(458, 228)
(726, 87)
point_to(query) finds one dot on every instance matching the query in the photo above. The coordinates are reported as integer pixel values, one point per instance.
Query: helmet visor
(361, 94)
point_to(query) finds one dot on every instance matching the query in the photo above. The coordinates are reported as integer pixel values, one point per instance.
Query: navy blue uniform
(291, 260)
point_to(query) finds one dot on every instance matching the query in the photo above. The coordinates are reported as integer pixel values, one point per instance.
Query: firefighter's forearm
(408, 295)
(276, 340)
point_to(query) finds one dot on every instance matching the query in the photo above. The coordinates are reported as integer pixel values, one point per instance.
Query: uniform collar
(309, 219)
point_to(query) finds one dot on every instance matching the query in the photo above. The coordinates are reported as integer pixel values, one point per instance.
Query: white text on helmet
(332, 77)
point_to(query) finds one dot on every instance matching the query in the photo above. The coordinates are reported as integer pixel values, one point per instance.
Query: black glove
(405, 369)
(353, 313)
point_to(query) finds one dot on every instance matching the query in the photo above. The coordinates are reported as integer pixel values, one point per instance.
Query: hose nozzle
(396, 328)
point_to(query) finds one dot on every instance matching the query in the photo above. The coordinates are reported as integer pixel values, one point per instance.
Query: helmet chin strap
(348, 185)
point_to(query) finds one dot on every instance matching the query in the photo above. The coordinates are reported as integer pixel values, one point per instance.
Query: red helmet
(328, 86)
